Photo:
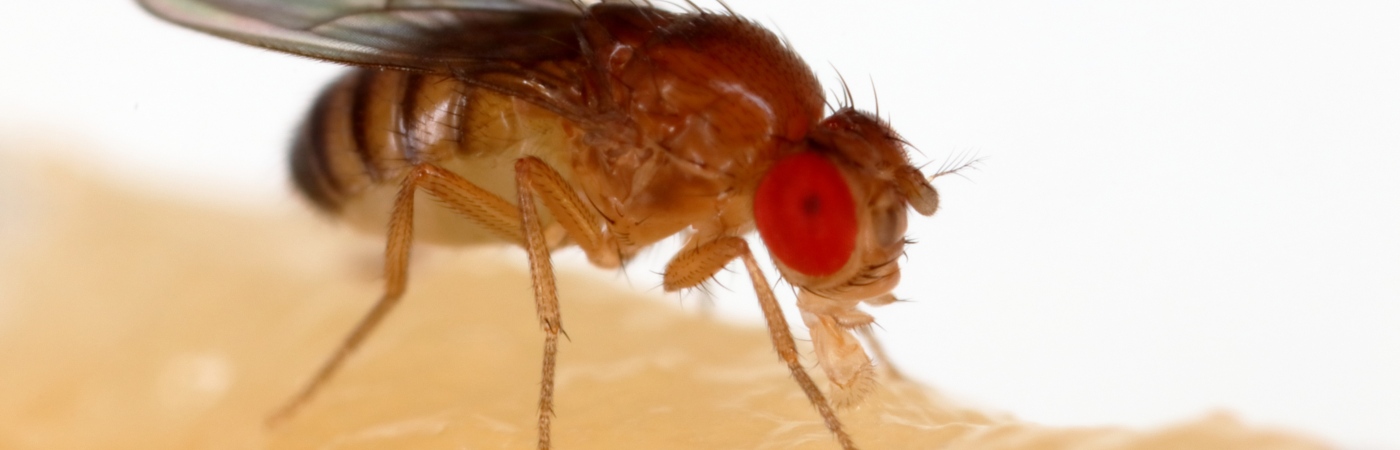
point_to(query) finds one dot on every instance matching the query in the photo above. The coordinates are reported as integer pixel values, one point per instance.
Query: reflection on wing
(425, 35)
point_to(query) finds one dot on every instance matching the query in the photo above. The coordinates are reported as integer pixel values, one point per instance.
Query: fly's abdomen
(370, 127)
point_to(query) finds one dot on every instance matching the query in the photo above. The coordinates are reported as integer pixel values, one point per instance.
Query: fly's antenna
(965, 160)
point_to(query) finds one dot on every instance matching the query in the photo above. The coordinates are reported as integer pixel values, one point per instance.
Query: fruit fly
(548, 123)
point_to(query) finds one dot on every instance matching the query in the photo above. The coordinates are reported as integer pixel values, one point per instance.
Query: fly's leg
(699, 262)
(395, 278)
(518, 225)
(533, 179)
(546, 299)
(477, 204)
(580, 222)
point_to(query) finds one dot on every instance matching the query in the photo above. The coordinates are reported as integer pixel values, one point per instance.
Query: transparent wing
(426, 35)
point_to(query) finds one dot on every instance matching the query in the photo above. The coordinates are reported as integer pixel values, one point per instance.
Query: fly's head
(833, 214)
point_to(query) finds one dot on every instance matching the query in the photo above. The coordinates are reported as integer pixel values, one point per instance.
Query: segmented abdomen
(370, 126)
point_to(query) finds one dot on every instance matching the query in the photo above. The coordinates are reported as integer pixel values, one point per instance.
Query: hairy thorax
(709, 102)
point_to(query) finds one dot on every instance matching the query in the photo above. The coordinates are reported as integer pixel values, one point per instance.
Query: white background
(1182, 206)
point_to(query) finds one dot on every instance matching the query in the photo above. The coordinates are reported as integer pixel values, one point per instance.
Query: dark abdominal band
(359, 134)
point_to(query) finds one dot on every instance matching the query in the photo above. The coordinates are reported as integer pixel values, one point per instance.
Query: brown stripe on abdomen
(362, 86)
(369, 127)
(311, 170)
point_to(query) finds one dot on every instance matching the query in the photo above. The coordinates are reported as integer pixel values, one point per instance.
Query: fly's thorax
(718, 89)
(834, 213)
(710, 101)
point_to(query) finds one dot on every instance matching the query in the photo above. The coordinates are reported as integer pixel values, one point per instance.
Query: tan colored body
(609, 127)
(666, 152)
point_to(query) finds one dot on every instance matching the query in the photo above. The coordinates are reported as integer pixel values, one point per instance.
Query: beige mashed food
(132, 322)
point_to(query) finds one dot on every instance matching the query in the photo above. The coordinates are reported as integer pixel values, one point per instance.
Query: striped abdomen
(371, 126)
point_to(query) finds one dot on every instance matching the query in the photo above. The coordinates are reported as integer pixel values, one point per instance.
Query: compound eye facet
(806, 214)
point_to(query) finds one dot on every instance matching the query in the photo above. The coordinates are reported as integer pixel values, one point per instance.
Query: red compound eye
(806, 215)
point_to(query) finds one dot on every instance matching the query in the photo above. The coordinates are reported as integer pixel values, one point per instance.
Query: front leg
(699, 262)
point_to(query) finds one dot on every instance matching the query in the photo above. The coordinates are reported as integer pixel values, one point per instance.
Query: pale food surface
(132, 322)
